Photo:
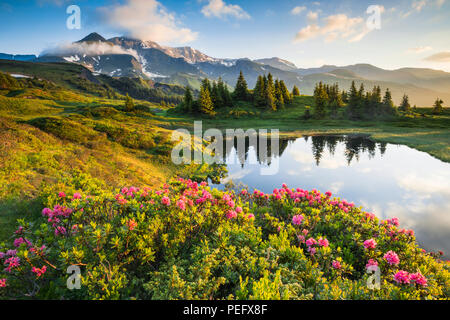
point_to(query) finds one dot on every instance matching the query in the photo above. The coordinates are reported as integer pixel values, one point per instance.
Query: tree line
(267, 94)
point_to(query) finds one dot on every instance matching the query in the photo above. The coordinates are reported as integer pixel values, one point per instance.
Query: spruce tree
(295, 91)
(241, 88)
(388, 104)
(269, 93)
(129, 104)
(188, 100)
(437, 107)
(205, 102)
(320, 98)
(354, 101)
(216, 96)
(285, 92)
(258, 93)
(405, 106)
(279, 100)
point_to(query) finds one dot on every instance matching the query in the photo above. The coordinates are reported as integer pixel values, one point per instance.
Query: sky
(394, 34)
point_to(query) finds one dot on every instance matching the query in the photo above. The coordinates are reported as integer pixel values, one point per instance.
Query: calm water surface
(386, 179)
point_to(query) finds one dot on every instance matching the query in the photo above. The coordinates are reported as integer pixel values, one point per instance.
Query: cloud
(443, 56)
(89, 49)
(219, 9)
(147, 20)
(419, 49)
(312, 16)
(335, 26)
(439, 3)
(417, 6)
(297, 10)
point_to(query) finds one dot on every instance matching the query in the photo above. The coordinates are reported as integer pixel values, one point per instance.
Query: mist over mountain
(127, 57)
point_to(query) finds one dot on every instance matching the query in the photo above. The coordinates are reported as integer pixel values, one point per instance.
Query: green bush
(189, 241)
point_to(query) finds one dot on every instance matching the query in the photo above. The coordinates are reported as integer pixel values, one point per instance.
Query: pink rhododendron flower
(76, 195)
(39, 271)
(231, 214)
(2, 283)
(181, 204)
(370, 244)
(61, 195)
(371, 263)
(11, 263)
(238, 209)
(323, 242)
(165, 201)
(131, 224)
(311, 242)
(336, 264)
(297, 219)
(251, 216)
(418, 278)
(391, 257)
(312, 250)
(402, 277)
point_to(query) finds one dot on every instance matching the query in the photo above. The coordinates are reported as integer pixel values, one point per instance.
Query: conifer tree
(129, 104)
(320, 98)
(269, 93)
(354, 101)
(207, 85)
(216, 96)
(295, 91)
(285, 92)
(241, 88)
(388, 104)
(205, 103)
(227, 101)
(188, 100)
(437, 107)
(258, 93)
(279, 100)
(405, 106)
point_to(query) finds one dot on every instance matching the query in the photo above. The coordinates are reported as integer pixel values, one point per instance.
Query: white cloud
(298, 10)
(88, 48)
(419, 49)
(335, 26)
(147, 20)
(417, 6)
(439, 57)
(219, 9)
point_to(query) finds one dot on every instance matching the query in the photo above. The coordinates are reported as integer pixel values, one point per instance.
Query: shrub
(189, 241)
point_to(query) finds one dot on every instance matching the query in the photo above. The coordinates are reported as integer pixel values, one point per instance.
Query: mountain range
(126, 57)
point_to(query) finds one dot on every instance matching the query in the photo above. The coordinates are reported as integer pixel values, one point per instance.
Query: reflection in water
(389, 180)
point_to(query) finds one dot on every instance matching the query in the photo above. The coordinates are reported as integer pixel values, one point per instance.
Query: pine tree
(320, 98)
(354, 101)
(207, 85)
(129, 104)
(388, 104)
(258, 93)
(437, 107)
(269, 93)
(295, 91)
(205, 103)
(227, 101)
(241, 89)
(279, 100)
(285, 92)
(216, 97)
(188, 100)
(405, 106)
